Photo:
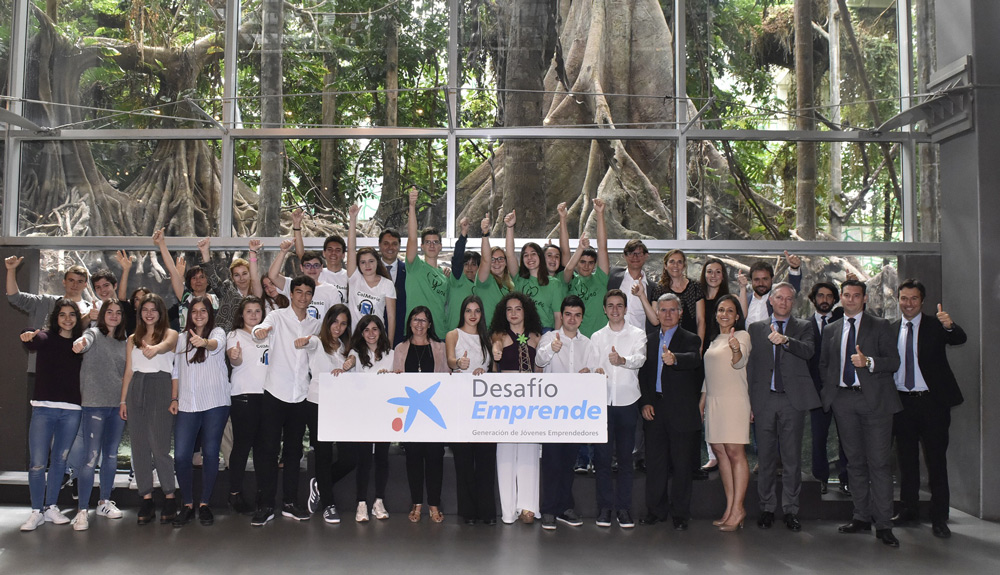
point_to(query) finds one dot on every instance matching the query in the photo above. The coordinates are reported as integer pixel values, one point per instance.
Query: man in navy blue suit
(824, 297)
(388, 247)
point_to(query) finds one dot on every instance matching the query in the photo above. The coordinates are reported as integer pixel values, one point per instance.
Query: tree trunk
(329, 164)
(805, 170)
(389, 206)
(836, 158)
(930, 216)
(272, 151)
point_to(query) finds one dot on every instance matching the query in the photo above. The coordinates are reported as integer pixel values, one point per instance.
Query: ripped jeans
(102, 429)
(51, 432)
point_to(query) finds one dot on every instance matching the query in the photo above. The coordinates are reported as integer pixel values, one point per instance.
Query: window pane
(634, 177)
(119, 188)
(340, 63)
(748, 190)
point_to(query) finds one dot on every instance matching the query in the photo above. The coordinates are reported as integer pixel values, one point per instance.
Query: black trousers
(329, 470)
(557, 477)
(669, 462)
(923, 423)
(425, 465)
(245, 413)
(364, 452)
(279, 422)
(475, 480)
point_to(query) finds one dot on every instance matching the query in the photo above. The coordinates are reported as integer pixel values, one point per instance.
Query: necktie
(908, 377)
(849, 376)
(779, 385)
(824, 321)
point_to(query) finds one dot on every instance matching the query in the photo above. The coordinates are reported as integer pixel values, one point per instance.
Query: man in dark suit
(781, 392)
(928, 390)
(670, 382)
(388, 247)
(858, 361)
(824, 297)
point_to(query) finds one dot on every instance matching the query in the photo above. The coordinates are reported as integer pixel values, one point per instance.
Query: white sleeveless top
(468, 342)
(160, 362)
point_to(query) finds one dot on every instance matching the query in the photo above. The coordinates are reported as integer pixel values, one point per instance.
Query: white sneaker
(53, 515)
(81, 522)
(34, 520)
(109, 509)
(378, 510)
(362, 515)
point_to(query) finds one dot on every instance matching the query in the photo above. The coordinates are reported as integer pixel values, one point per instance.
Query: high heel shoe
(727, 527)
(720, 522)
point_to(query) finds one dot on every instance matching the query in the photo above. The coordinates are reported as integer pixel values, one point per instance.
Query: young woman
(248, 356)
(328, 354)
(422, 352)
(493, 279)
(203, 392)
(103, 350)
(532, 278)
(55, 410)
(149, 404)
(468, 349)
(372, 290)
(372, 353)
(514, 333)
(272, 296)
(725, 402)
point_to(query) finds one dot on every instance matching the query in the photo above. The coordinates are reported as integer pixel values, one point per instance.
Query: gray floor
(114, 547)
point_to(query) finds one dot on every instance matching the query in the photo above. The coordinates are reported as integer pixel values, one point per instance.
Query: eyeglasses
(635, 254)
(432, 243)
(311, 266)
(418, 320)
(498, 260)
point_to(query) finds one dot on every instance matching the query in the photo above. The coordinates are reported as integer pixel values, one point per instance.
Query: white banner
(463, 408)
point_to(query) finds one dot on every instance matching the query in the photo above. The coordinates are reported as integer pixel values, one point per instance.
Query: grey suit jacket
(877, 341)
(795, 357)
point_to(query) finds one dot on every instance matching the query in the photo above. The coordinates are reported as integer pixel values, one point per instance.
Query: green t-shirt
(459, 288)
(428, 286)
(547, 298)
(491, 293)
(591, 290)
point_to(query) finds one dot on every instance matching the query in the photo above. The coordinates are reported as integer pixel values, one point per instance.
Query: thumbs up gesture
(859, 359)
(497, 350)
(556, 344)
(463, 362)
(668, 357)
(235, 353)
(614, 358)
(775, 337)
(29, 335)
(944, 318)
(196, 340)
(734, 344)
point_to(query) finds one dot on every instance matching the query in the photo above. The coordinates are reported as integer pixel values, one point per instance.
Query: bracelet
(253, 251)
(253, 258)
(122, 403)
(296, 229)
(173, 400)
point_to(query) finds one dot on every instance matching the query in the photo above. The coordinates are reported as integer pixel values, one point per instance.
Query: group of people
(680, 356)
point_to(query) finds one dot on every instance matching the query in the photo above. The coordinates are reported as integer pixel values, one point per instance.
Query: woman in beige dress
(727, 406)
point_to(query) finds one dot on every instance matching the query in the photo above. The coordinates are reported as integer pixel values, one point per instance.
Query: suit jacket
(681, 382)
(615, 282)
(795, 280)
(932, 338)
(835, 314)
(795, 358)
(877, 341)
(400, 284)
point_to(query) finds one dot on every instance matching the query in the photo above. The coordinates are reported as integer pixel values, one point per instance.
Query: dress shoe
(640, 465)
(940, 529)
(904, 517)
(886, 537)
(682, 524)
(491, 522)
(649, 519)
(710, 468)
(792, 522)
(765, 520)
(470, 521)
(855, 526)
(699, 475)
(823, 488)
(845, 489)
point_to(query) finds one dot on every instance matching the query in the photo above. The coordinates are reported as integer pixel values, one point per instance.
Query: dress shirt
(665, 338)
(818, 320)
(576, 353)
(205, 385)
(623, 380)
(392, 268)
(635, 314)
(288, 368)
(843, 343)
(757, 310)
(918, 377)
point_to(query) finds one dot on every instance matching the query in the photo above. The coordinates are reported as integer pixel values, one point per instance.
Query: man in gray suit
(858, 360)
(781, 393)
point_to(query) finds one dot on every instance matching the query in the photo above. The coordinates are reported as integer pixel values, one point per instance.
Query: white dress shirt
(288, 368)
(623, 380)
(577, 353)
(205, 385)
(919, 384)
(634, 313)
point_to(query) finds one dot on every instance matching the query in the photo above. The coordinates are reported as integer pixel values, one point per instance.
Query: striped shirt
(201, 386)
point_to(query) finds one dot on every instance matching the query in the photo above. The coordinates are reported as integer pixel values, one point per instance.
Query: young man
(586, 273)
(334, 248)
(325, 294)
(284, 409)
(928, 390)
(781, 392)
(620, 350)
(624, 278)
(388, 248)
(565, 350)
(858, 362)
(38, 306)
(426, 284)
(761, 279)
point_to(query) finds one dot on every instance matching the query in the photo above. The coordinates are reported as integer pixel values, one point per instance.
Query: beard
(824, 307)
(761, 290)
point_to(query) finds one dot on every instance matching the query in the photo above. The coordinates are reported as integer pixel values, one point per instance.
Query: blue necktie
(779, 385)
(908, 376)
(849, 376)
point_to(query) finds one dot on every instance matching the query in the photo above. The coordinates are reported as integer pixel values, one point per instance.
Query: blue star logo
(416, 401)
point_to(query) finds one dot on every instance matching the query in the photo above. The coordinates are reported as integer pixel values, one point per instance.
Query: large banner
(464, 408)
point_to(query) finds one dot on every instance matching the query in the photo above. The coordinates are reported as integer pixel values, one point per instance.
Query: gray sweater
(102, 370)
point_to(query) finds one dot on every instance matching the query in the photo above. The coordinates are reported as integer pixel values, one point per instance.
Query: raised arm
(583, 244)
(458, 256)
(176, 277)
(125, 262)
(510, 220)
(603, 261)
(411, 227)
(11, 262)
(639, 291)
(563, 232)
(352, 240)
(487, 250)
(255, 287)
(300, 245)
(275, 271)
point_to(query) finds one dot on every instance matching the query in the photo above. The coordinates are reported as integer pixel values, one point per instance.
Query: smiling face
(852, 299)
(302, 296)
(104, 289)
(761, 281)
(910, 302)
(199, 283)
(112, 315)
(199, 316)
(726, 316)
(473, 314)
(333, 253)
(669, 312)
(585, 266)
(553, 259)
(241, 277)
(782, 301)
(252, 315)
(312, 268)
(675, 265)
(388, 247)
(614, 308)
(269, 288)
(418, 325)
(714, 275)
(636, 259)
(67, 320)
(150, 315)
(371, 334)
(531, 259)
(339, 326)
(368, 264)
(498, 262)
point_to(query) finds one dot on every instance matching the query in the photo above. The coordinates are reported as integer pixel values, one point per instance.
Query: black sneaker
(147, 511)
(580, 468)
(330, 515)
(294, 511)
(548, 521)
(313, 505)
(604, 518)
(238, 504)
(169, 511)
(625, 519)
(184, 517)
(569, 517)
(262, 516)
(205, 515)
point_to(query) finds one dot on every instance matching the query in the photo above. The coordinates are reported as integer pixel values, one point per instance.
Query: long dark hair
(102, 322)
(380, 268)
(723, 287)
(279, 301)
(741, 320)
(250, 299)
(360, 346)
(324, 332)
(532, 323)
(201, 353)
(484, 336)
(162, 323)
(543, 270)
(53, 322)
(431, 334)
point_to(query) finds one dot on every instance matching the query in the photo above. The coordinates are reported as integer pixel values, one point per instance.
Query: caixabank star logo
(413, 403)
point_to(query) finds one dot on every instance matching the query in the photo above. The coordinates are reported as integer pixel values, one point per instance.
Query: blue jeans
(51, 432)
(211, 423)
(621, 439)
(102, 432)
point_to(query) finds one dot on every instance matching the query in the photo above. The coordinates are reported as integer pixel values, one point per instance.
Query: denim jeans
(50, 433)
(211, 423)
(102, 432)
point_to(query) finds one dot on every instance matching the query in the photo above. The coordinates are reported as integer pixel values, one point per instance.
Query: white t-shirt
(383, 364)
(365, 299)
(249, 375)
(324, 296)
(320, 363)
(336, 279)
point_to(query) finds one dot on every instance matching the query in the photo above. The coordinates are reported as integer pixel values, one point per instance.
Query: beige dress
(727, 401)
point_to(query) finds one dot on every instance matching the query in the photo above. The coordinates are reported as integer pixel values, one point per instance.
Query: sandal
(527, 517)
(435, 514)
(415, 513)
